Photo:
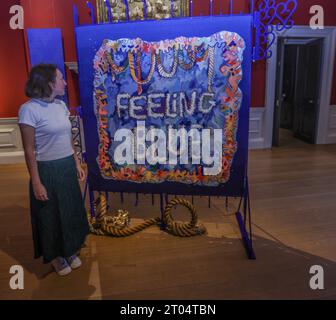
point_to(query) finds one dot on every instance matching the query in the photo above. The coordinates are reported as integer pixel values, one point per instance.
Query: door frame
(328, 34)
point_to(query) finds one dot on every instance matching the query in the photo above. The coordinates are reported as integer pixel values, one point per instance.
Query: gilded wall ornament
(156, 9)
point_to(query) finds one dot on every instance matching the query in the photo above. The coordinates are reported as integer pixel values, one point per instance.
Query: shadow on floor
(41, 282)
(211, 268)
(157, 265)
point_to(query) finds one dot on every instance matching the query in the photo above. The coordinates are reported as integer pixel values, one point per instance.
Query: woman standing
(58, 214)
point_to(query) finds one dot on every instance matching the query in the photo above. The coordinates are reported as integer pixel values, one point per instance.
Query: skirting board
(331, 137)
(257, 128)
(11, 150)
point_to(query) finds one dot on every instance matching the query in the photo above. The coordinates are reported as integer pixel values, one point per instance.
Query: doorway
(297, 93)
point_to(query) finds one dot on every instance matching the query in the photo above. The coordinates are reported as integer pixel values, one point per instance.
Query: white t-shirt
(52, 128)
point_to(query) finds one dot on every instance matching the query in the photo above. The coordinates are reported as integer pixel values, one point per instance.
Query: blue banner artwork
(166, 104)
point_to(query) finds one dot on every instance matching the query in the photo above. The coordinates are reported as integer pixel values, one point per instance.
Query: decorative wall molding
(11, 150)
(140, 9)
(328, 34)
(256, 129)
(331, 138)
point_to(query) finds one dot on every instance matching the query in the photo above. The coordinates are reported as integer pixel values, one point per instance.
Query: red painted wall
(13, 63)
(13, 71)
(58, 13)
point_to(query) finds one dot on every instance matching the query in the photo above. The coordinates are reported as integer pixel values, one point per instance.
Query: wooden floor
(293, 191)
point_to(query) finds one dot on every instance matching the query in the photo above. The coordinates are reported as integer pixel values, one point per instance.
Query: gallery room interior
(167, 150)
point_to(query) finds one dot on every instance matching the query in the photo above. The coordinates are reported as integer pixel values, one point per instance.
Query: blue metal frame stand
(271, 16)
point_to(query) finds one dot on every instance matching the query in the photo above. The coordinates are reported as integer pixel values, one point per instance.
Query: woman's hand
(80, 173)
(40, 192)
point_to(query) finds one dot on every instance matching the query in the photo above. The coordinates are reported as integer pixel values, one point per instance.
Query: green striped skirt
(60, 224)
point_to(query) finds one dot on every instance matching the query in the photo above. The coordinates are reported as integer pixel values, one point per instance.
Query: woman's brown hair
(40, 76)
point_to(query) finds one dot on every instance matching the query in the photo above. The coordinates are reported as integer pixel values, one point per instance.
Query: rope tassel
(118, 225)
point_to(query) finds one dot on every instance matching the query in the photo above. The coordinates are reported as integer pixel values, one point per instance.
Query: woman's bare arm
(28, 140)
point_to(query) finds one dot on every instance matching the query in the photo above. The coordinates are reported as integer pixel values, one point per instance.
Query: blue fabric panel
(89, 40)
(45, 46)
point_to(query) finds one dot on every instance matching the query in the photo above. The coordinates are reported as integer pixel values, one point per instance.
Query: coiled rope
(118, 225)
